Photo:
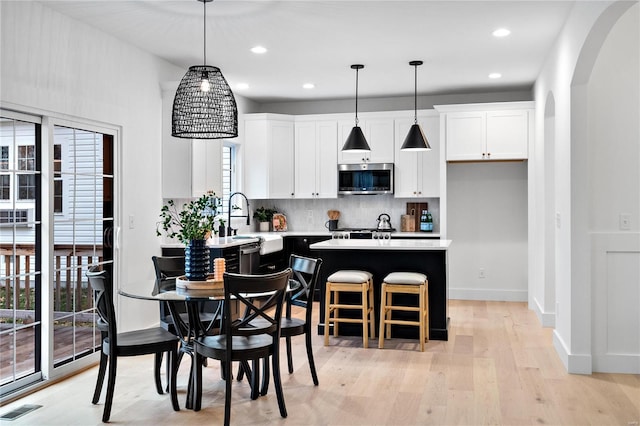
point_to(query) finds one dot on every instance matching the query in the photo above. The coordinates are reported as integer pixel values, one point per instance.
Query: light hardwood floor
(498, 367)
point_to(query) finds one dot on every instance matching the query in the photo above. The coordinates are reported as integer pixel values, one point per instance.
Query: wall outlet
(481, 273)
(558, 220)
(625, 221)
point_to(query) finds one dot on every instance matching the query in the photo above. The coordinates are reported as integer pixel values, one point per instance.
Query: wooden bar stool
(351, 281)
(404, 283)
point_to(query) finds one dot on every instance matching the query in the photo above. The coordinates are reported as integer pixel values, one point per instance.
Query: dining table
(192, 329)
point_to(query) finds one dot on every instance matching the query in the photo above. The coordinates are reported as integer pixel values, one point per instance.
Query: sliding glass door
(56, 221)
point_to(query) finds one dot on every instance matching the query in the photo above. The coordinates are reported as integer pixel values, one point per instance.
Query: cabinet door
(405, 172)
(207, 167)
(507, 135)
(429, 162)
(281, 161)
(380, 135)
(255, 149)
(305, 160)
(327, 159)
(465, 136)
(176, 156)
(417, 174)
(347, 157)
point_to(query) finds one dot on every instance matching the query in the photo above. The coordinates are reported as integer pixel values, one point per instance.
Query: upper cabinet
(417, 173)
(494, 131)
(316, 157)
(268, 151)
(190, 168)
(379, 132)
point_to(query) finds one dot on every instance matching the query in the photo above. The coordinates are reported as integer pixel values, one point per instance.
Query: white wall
(487, 222)
(614, 189)
(57, 66)
(564, 76)
(392, 104)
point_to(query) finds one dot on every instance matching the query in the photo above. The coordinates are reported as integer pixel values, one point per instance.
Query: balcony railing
(70, 288)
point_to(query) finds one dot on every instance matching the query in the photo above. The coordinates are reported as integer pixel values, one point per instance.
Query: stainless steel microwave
(365, 178)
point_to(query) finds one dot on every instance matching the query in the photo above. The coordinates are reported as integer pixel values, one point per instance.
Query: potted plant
(192, 225)
(263, 216)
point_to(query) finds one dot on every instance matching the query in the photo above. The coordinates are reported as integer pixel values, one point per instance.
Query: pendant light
(415, 140)
(204, 106)
(356, 142)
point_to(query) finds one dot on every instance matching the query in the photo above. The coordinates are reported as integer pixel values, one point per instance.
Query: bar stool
(404, 283)
(351, 281)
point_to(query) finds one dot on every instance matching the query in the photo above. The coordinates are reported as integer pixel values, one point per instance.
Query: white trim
(488, 294)
(575, 364)
(547, 319)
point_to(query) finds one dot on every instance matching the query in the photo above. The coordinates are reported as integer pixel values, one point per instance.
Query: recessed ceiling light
(259, 49)
(242, 86)
(308, 86)
(501, 32)
(495, 75)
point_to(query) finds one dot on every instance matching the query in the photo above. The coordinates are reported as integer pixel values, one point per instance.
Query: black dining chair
(132, 343)
(305, 273)
(240, 341)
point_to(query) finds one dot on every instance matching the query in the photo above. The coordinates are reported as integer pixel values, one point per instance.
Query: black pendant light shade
(356, 142)
(204, 106)
(204, 114)
(415, 140)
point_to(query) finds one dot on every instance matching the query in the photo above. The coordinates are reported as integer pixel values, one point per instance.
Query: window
(26, 182)
(57, 178)
(11, 216)
(5, 187)
(228, 174)
(5, 179)
(4, 158)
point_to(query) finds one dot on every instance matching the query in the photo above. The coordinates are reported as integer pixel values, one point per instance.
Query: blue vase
(196, 260)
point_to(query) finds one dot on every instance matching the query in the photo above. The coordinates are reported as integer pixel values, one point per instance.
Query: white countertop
(354, 244)
(224, 242)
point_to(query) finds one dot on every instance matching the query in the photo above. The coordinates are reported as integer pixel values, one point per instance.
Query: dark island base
(381, 262)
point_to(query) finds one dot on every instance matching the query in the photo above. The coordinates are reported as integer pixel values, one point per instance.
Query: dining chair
(155, 340)
(305, 272)
(239, 341)
(167, 269)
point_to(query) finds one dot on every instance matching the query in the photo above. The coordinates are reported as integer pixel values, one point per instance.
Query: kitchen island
(381, 257)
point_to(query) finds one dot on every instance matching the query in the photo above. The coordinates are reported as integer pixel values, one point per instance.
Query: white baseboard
(488, 294)
(575, 364)
(547, 319)
(617, 363)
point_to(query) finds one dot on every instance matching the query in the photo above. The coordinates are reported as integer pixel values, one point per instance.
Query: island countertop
(376, 244)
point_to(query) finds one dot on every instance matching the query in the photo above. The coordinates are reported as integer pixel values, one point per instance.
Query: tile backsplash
(355, 211)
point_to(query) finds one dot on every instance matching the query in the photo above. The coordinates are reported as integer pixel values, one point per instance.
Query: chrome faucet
(229, 228)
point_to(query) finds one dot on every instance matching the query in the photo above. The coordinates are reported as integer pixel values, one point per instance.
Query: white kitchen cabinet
(496, 131)
(268, 151)
(206, 163)
(316, 159)
(379, 133)
(190, 168)
(417, 173)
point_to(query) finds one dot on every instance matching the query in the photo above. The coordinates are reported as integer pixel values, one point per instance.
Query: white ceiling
(317, 41)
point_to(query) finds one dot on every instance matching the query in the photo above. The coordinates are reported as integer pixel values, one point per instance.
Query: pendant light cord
(204, 4)
(415, 96)
(356, 96)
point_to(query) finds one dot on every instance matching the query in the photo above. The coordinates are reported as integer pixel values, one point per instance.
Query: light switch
(625, 221)
(132, 221)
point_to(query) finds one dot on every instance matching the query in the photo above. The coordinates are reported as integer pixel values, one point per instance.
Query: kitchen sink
(269, 243)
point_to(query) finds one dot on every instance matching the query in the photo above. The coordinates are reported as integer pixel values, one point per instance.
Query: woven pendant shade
(199, 114)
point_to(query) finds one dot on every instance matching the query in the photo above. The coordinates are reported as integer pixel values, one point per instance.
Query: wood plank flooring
(499, 367)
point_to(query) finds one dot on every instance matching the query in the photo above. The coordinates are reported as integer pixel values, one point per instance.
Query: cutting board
(407, 223)
(415, 209)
